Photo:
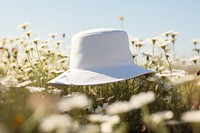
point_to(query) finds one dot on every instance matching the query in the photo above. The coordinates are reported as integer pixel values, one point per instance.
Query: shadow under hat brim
(98, 76)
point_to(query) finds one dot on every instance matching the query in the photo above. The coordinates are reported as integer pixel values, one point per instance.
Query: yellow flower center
(104, 110)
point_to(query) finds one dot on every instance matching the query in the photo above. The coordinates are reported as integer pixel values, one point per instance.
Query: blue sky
(143, 18)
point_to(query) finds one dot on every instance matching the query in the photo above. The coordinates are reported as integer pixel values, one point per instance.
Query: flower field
(164, 102)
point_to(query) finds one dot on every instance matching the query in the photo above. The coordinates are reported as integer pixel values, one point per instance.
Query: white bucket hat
(99, 56)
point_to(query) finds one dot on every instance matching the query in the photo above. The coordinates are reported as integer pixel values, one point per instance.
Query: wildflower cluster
(27, 60)
(149, 103)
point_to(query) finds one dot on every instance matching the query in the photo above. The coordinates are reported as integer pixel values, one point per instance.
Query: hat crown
(99, 56)
(99, 48)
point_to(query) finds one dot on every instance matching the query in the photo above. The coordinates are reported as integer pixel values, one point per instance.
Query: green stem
(155, 66)
(173, 50)
(7, 69)
(33, 69)
(195, 128)
(193, 83)
(36, 49)
(122, 24)
(34, 119)
(167, 58)
(145, 114)
(36, 46)
(153, 50)
(29, 59)
(137, 56)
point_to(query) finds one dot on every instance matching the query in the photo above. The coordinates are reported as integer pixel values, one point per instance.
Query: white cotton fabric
(99, 56)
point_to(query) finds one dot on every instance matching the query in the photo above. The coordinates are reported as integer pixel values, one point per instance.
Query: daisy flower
(118, 108)
(56, 122)
(144, 98)
(101, 109)
(192, 116)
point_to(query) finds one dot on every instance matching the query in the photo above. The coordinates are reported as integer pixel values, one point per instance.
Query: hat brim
(99, 76)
